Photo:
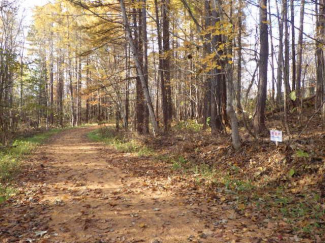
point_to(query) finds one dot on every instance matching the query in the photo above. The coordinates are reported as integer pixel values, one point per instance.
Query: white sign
(276, 136)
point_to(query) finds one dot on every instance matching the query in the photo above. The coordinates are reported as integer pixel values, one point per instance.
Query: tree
(259, 117)
(165, 77)
(239, 63)
(293, 45)
(286, 65)
(280, 58)
(10, 34)
(139, 68)
(300, 49)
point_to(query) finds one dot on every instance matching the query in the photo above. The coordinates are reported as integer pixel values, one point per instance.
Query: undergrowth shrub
(188, 125)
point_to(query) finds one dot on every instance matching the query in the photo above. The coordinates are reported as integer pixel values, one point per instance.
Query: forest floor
(73, 189)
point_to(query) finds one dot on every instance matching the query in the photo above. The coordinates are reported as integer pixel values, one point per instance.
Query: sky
(27, 8)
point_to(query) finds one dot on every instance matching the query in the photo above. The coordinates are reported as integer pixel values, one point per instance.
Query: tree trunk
(139, 69)
(79, 80)
(239, 62)
(286, 65)
(127, 87)
(320, 28)
(272, 57)
(60, 88)
(259, 117)
(145, 62)
(51, 85)
(139, 91)
(231, 112)
(217, 77)
(207, 79)
(286, 48)
(293, 45)
(87, 85)
(167, 99)
(280, 58)
(300, 49)
(160, 69)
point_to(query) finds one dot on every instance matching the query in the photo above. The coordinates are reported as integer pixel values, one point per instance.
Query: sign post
(276, 136)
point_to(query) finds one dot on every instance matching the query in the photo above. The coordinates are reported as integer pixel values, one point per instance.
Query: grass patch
(178, 163)
(119, 141)
(188, 125)
(305, 212)
(10, 159)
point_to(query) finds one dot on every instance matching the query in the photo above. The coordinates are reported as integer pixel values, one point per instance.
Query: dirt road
(71, 191)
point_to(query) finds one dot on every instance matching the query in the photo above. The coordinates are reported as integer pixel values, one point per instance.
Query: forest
(184, 94)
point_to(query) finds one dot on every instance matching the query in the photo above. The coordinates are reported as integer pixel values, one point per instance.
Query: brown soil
(72, 192)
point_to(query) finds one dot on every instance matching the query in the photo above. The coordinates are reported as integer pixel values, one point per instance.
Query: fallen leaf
(241, 206)
(142, 225)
